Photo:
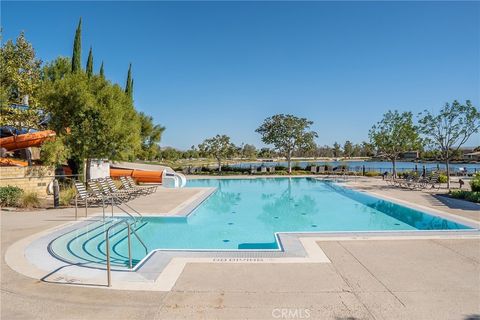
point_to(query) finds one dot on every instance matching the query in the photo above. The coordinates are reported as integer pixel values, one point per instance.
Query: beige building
(472, 156)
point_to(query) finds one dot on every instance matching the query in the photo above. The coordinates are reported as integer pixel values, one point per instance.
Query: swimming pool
(246, 214)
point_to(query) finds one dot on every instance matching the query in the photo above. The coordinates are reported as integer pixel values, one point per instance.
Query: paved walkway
(369, 279)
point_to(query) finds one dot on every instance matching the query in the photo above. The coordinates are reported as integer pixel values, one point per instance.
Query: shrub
(235, 169)
(67, 195)
(10, 196)
(442, 178)
(473, 196)
(300, 172)
(29, 200)
(372, 174)
(475, 183)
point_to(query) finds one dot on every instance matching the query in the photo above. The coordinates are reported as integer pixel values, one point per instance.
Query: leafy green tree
(249, 151)
(266, 153)
(394, 135)
(96, 118)
(288, 133)
(324, 151)
(193, 153)
(150, 135)
(169, 153)
(337, 150)
(77, 48)
(89, 67)
(367, 149)
(55, 152)
(129, 84)
(20, 79)
(102, 71)
(348, 149)
(430, 154)
(218, 147)
(56, 70)
(450, 128)
(357, 150)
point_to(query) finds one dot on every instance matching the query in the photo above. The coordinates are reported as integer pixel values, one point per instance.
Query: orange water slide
(139, 175)
(27, 140)
(12, 162)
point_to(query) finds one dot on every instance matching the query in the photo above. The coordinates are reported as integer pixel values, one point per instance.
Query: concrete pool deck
(366, 279)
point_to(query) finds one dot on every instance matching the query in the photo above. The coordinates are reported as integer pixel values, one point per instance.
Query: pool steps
(87, 246)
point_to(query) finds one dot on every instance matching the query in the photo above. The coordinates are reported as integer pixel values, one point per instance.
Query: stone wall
(34, 178)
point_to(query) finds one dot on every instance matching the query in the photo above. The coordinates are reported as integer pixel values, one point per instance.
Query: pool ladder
(130, 230)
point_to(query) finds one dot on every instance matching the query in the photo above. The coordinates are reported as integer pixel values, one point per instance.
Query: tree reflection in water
(285, 205)
(223, 202)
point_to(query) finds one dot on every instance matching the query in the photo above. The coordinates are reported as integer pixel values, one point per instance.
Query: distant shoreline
(346, 160)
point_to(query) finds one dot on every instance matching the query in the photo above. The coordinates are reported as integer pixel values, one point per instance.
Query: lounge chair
(118, 199)
(126, 186)
(433, 180)
(313, 169)
(409, 181)
(389, 178)
(123, 196)
(399, 182)
(339, 171)
(87, 197)
(113, 187)
(462, 171)
(147, 189)
(152, 189)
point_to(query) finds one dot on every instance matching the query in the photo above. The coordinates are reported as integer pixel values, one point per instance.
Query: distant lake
(380, 166)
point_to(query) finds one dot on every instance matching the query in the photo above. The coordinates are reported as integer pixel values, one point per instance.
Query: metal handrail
(86, 205)
(125, 211)
(139, 240)
(107, 249)
(133, 230)
(120, 201)
(107, 245)
(126, 204)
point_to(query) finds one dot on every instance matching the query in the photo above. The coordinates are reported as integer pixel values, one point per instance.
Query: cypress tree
(90, 63)
(131, 90)
(128, 85)
(102, 72)
(77, 48)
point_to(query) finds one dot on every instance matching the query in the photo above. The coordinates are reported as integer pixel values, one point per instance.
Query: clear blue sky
(204, 68)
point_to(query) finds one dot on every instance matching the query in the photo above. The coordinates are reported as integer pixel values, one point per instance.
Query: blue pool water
(246, 214)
